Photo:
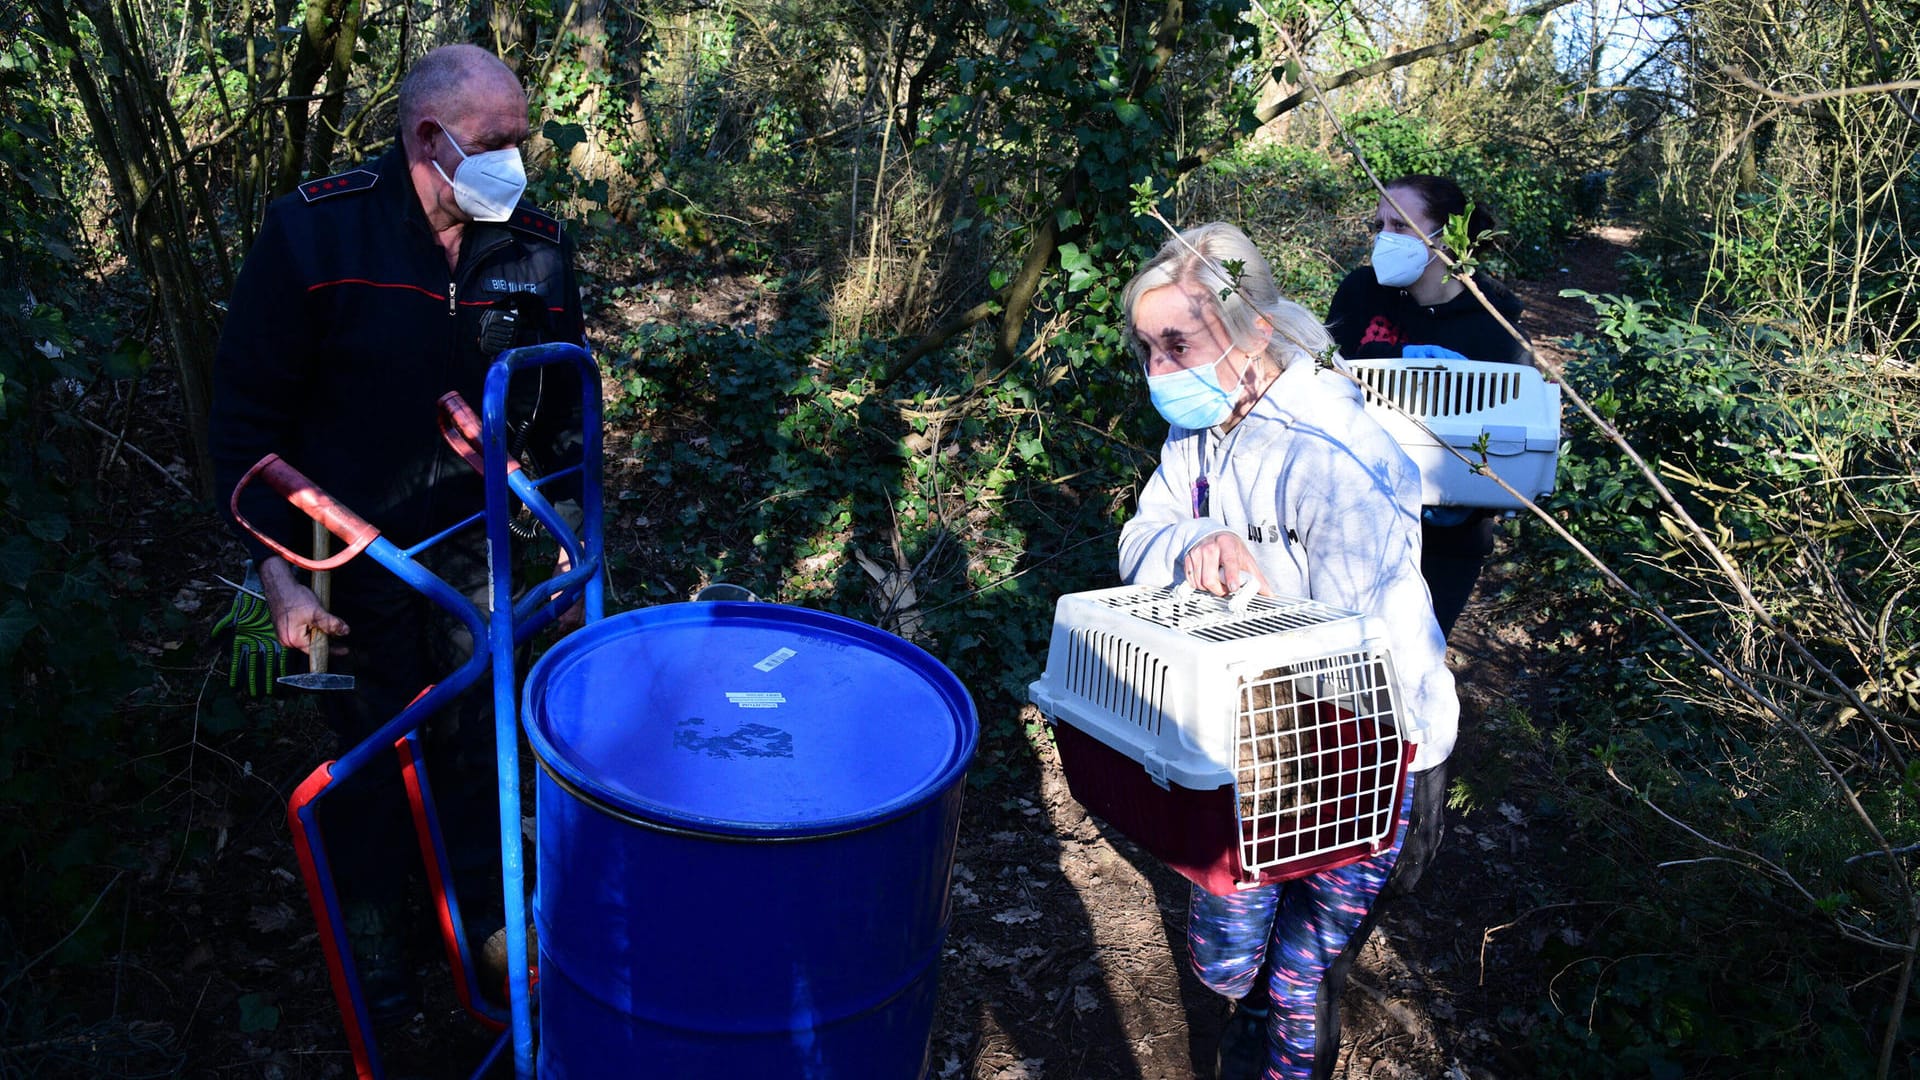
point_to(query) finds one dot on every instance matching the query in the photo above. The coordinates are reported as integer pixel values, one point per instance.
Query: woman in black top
(1407, 297)
(1407, 304)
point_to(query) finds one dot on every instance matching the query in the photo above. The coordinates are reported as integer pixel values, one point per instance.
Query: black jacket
(1370, 320)
(344, 329)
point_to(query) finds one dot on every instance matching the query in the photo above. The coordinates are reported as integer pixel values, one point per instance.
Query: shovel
(317, 676)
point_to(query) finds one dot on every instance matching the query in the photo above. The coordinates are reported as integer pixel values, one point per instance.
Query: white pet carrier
(1510, 405)
(1241, 742)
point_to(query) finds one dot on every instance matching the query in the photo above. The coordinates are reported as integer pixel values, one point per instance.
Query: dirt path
(1066, 957)
(1591, 263)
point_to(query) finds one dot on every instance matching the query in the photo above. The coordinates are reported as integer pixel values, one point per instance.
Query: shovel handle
(461, 428)
(318, 646)
(328, 516)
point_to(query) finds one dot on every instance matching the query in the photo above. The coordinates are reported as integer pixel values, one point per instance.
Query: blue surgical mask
(1399, 259)
(1192, 398)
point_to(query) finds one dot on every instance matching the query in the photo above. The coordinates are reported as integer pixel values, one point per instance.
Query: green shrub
(1292, 201)
(1717, 961)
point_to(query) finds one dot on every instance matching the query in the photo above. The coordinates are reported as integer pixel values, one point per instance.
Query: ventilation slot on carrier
(1433, 393)
(1119, 677)
(1207, 617)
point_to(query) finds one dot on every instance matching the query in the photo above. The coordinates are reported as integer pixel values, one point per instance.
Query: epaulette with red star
(328, 187)
(529, 220)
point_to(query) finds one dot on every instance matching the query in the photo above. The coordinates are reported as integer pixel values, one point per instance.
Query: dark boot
(1243, 1046)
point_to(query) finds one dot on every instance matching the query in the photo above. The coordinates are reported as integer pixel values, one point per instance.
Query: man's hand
(256, 646)
(1220, 563)
(296, 611)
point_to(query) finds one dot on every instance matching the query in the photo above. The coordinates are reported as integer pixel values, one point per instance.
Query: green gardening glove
(256, 648)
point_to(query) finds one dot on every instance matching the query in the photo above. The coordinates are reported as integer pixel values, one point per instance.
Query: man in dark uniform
(367, 296)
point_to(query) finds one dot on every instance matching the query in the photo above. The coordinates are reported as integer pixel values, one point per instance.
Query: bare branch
(1791, 100)
(939, 336)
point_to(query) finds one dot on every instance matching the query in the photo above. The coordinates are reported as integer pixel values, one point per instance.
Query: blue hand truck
(496, 633)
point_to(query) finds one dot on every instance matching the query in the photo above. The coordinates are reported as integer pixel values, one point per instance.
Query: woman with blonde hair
(1272, 472)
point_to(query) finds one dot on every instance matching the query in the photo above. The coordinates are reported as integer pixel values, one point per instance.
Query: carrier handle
(1238, 603)
(460, 426)
(352, 529)
(1242, 597)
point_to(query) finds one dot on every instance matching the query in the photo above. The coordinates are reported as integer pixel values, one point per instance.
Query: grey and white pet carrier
(1511, 406)
(1242, 742)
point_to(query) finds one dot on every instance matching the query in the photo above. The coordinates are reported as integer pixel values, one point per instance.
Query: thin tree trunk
(321, 32)
(333, 104)
(135, 138)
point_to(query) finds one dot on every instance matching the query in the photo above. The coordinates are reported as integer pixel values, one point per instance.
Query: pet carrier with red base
(1242, 742)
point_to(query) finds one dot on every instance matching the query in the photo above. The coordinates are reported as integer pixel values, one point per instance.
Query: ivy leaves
(1079, 267)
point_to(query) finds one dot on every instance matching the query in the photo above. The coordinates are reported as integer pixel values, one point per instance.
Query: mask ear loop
(453, 142)
(1242, 383)
(1251, 374)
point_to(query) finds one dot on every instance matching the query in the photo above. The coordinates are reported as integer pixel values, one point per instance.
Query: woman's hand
(296, 611)
(1220, 563)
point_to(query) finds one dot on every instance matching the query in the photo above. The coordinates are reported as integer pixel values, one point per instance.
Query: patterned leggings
(1313, 926)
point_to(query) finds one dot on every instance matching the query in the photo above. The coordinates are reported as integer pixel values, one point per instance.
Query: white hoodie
(1329, 506)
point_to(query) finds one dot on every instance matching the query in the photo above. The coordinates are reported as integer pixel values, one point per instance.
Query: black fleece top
(345, 328)
(1369, 320)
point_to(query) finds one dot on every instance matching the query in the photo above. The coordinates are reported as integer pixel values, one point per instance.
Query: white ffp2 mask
(1399, 259)
(486, 185)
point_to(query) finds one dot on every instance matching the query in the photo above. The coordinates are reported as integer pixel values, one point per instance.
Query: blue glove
(1429, 352)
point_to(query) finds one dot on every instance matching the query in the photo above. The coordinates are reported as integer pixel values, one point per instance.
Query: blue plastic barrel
(747, 816)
